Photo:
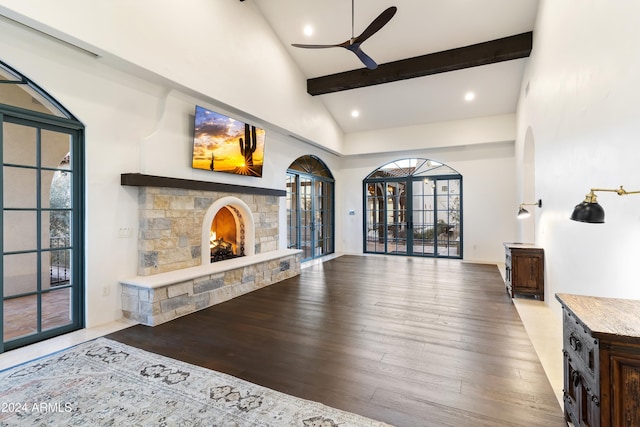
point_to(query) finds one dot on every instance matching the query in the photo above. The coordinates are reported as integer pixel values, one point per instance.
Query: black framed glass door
(310, 201)
(397, 224)
(41, 214)
(41, 246)
(436, 216)
(418, 214)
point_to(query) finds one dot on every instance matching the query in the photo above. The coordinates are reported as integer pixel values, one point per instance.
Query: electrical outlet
(124, 232)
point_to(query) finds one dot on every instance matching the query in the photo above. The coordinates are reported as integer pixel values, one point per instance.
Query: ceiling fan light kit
(353, 44)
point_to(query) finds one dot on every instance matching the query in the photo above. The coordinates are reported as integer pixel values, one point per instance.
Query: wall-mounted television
(223, 144)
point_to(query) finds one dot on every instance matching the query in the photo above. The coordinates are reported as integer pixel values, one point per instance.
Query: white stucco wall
(454, 133)
(131, 126)
(582, 110)
(137, 104)
(197, 45)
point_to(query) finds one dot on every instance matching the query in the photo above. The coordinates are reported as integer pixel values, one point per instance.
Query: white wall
(581, 108)
(117, 112)
(132, 125)
(455, 133)
(582, 111)
(137, 102)
(223, 50)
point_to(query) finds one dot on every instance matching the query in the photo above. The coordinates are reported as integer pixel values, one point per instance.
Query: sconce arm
(538, 204)
(591, 197)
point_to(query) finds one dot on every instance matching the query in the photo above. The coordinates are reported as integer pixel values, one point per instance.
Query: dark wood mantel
(142, 180)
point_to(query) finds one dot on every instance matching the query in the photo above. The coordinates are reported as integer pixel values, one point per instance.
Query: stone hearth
(152, 300)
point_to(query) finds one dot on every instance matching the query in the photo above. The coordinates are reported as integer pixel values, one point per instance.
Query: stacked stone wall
(171, 221)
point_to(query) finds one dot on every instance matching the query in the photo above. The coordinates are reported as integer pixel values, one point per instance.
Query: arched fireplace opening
(228, 231)
(227, 236)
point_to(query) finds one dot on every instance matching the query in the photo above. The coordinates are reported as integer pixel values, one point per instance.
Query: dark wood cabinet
(601, 350)
(524, 269)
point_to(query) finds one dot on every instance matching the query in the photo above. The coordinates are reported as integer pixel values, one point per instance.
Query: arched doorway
(42, 214)
(310, 207)
(413, 207)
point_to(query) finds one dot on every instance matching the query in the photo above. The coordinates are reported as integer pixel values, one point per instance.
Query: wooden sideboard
(601, 348)
(524, 264)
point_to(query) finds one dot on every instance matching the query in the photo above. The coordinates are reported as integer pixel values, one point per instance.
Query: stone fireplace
(176, 226)
(177, 274)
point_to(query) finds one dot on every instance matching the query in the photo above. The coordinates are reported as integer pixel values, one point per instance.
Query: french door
(41, 223)
(310, 207)
(414, 216)
(310, 215)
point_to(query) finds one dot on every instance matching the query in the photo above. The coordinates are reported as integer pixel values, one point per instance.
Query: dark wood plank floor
(409, 341)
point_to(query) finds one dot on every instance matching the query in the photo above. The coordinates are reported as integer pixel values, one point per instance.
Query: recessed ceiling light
(307, 30)
(469, 96)
(355, 113)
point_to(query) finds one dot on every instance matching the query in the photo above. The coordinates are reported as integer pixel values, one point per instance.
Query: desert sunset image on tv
(223, 144)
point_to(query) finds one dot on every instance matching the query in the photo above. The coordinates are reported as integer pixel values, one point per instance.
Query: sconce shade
(590, 212)
(523, 213)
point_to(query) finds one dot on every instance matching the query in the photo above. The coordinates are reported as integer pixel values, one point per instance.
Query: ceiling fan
(353, 44)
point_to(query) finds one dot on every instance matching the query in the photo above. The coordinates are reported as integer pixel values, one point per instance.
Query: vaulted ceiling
(429, 55)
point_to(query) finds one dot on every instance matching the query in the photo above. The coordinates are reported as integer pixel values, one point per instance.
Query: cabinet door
(526, 271)
(581, 408)
(625, 390)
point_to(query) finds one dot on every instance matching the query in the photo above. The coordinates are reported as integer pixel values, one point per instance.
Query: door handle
(575, 378)
(575, 343)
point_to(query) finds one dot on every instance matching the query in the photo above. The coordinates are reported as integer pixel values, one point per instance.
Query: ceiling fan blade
(366, 59)
(377, 24)
(316, 46)
(353, 44)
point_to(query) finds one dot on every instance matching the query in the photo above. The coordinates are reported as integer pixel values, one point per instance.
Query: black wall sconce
(590, 210)
(523, 213)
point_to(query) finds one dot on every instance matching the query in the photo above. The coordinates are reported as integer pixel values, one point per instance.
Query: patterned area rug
(103, 382)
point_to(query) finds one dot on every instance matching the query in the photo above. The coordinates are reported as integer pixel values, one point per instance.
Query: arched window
(413, 207)
(310, 207)
(42, 214)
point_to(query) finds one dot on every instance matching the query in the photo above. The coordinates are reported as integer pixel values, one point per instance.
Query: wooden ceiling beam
(504, 49)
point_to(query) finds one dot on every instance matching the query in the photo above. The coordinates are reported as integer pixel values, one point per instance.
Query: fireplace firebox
(227, 234)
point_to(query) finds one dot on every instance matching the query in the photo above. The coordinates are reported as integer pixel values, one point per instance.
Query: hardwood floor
(409, 341)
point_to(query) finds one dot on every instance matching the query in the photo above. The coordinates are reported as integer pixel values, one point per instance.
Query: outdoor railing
(59, 270)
